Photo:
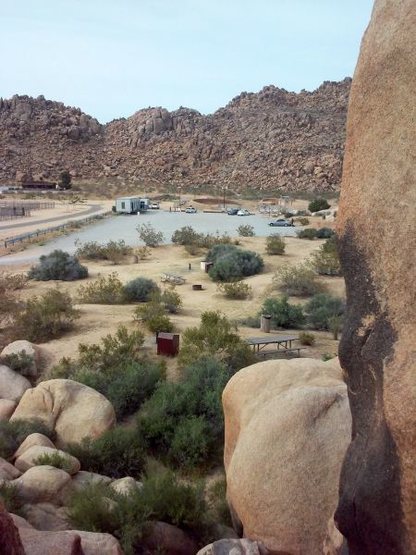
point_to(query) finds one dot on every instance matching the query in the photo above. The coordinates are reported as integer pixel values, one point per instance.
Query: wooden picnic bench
(283, 344)
(172, 278)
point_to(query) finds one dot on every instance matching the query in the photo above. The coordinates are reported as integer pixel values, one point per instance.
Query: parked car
(191, 210)
(232, 211)
(154, 206)
(281, 223)
(243, 212)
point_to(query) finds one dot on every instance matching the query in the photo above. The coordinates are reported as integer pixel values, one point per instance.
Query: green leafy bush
(297, 280)
(117, 453)
(308, 233)
(275, 244)
(12, 434)
(283, 314)
(245, 230)
(321, 308)
(188, 237)
(21, 362)
(46, 317)
(235, 290)
(170, 299)
(154, 317)
(232, 263)
(58, 265)
(9, 496)
(217, 500)
(54, 459)
(139, 289)
(216, 336)
(149, 235)
(318, 204)
(324, 233)
(104, 290)
(326, 261)
(306, 338)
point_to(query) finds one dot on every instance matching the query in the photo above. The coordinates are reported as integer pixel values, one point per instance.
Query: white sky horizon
(113, 59)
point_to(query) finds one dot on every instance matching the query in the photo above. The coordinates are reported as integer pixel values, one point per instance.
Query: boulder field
(287, 426)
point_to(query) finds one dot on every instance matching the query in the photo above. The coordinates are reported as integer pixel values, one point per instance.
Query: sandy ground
(99, 320)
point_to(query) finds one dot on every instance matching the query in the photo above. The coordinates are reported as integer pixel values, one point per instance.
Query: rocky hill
(265, 141)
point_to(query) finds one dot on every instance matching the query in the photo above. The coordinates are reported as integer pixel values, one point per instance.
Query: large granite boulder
(10, 542)
(30, 458)
(23, 347)
(32, 440)
(7, 407)
(287, 426)
(42, 484)
(12, 384)
(73, 410)
(377, 240)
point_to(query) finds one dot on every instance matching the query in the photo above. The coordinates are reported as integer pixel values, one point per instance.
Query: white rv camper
(131, 205)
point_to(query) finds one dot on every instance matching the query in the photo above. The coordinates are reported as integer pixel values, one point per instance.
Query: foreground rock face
(73, 410)
(377, 509)
(10, 542)
(265, 140)
(287, 426)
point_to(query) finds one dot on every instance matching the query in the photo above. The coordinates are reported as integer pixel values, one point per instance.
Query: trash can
(265, 322)
(167, 344)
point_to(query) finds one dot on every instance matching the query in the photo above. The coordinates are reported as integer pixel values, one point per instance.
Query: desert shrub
(216, 336)
(98, 508)
(325, 260)
(186, 236)
(217, 501)
(58, 265)
(190, 408)
(327, 356)
(139, 289)
(154, 317)
(104, 290)
(245, 230)
(91, 250)
(13, 282)
(283, 314)
(12, 434)
(232, 263)
(113, 251)
(190, 238)
(171, 300)
(251, 321)
(192, 249)
(46, 317)
(54, 459)
(143, 252)
(9, 496)
(117, 453)
(21, 362)
(308, 233)
(321, 308)
(324, 233)
(159, 323)
(235, 290)
(297, 280)
(318, 204)
(126, 385)
(306, 338)
(149, 235)
(275, 244)
(303, 221)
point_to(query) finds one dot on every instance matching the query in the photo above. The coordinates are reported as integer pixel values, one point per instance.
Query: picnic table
(283, 344)
(172, 278)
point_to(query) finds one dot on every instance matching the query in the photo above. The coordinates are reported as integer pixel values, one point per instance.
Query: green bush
(12, 434)
(171, 300)
(283, 314)
(159, 323)
(306, 338)
(297, 280)
(9, 496)
(232, 263)
(46, 317)
(117, 453)
(217, 500)
(251, 321)
(58, 265)
(54, 459)
(149, 235)
(104, 290)
(215, 337)
(245, 230)
(139, 289)
(275, 244)
(91, 250)
(21, 363)
(308, 233)
(303, 221)
(154, 316)
(190, 408)
(235, 290)
(321, 308)
(324, 233)
(318, 204)
(188, 237)
(114, 251)
(326, 261)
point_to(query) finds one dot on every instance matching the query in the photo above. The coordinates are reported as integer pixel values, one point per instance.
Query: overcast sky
(111, 58)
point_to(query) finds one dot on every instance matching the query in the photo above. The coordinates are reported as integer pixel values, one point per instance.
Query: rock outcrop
(26, 348)
(10, 542)
(287, 426)
(377, 238)
(12, 384)
(73, 410)
(266, 140)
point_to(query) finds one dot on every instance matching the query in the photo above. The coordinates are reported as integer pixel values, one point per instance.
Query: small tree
(318, 204)
(283, 314)
(149, 235)
(326, 260)
(298, 280)
(324, 312)
(275, 244)
(58, 265)
(235, 290)
(65, 180)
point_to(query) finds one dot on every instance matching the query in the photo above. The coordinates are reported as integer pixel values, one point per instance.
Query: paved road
(91, 210)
